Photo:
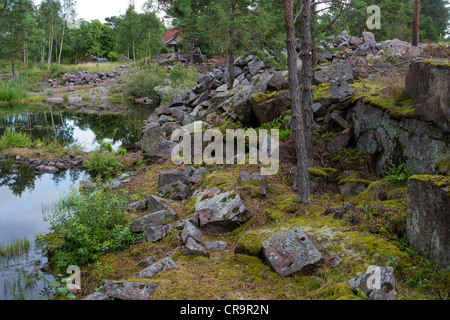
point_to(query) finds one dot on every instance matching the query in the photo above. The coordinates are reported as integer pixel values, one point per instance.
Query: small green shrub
(12, 138)
(87, 225)
(397, 174)
(142, 83)
(285, 134)
(183, 78)
(104, 164)
(122, 151)
(106, 145)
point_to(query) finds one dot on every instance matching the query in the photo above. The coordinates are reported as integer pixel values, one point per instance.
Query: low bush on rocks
(87, 225)
(104, 164)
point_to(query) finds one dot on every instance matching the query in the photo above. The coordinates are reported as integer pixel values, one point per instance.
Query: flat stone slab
(216, 246)
(291, 252)
(160, 266)
(121, 290)
(222, 213)
(99, 296)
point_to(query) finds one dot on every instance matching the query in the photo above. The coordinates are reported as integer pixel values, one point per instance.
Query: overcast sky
(100, 9)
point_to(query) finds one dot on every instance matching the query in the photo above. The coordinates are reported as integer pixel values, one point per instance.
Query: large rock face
(290, 252)
(429, 84)
(238, 105)
(409, 140)
(428, 217)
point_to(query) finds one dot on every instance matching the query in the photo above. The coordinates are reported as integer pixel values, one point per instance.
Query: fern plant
(398, 174)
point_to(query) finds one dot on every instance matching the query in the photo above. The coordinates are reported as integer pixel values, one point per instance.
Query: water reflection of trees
(117, 128)
(48, 124)
(72, 175)
(40, 124)
(17, 178)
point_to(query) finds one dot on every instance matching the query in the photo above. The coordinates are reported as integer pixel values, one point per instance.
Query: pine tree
(299, 130)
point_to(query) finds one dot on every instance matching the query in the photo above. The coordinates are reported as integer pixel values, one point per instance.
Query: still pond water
(25, 197)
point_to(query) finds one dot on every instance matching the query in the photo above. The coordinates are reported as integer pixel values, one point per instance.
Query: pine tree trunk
(20, 60)
(313, 34)
(297, 112)
(26, 60)
(13, 66)
(230, 49)
(307, 75)
(20, 64)
(415, 33)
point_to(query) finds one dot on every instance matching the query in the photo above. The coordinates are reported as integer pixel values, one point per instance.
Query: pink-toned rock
(291, 252)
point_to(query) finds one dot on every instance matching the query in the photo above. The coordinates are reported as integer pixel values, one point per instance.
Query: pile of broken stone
(86, 78)
(249, 102)
(217, 212)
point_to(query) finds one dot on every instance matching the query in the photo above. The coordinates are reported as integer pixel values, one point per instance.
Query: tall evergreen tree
(13, 16)
(299, 129)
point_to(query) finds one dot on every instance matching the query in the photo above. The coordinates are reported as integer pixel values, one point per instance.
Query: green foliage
(183, 78)
(143, 82)
(62, 289)
(399, 174)
(285, 134)
(87, 225)
(122, 151)
(106, 145)
(277, 123)
(12, 90)
(15, 139)
(104, 164)
(99, 39)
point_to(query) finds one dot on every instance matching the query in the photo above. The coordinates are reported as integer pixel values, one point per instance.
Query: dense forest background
(51, 33)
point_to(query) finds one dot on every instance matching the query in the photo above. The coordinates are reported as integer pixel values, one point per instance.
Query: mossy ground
(372, 235)
(246, 275)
